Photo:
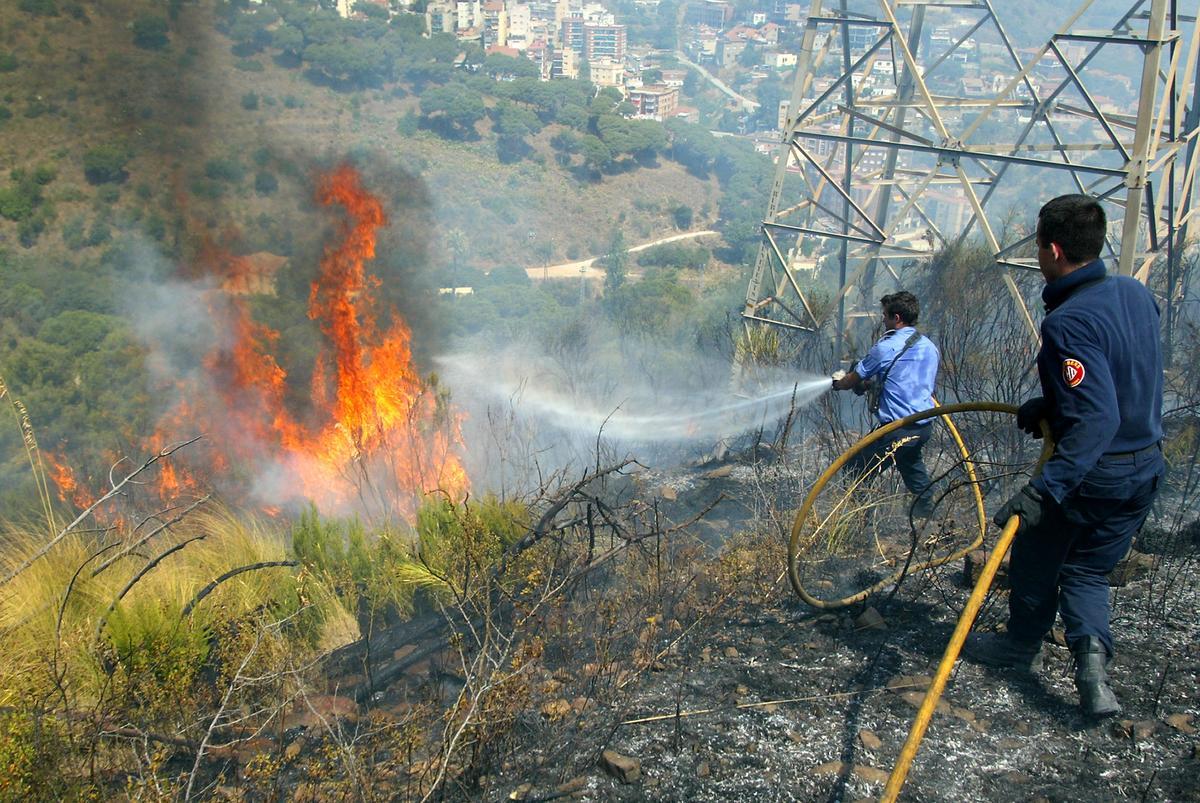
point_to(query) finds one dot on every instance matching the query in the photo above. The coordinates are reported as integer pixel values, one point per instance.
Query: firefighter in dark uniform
(1101, 374)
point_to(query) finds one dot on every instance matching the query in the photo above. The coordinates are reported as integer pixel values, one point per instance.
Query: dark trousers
(1062, 565)
(906, 457)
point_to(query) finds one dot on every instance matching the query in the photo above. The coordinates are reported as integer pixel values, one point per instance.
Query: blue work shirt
(909, 386)
(1101, 373)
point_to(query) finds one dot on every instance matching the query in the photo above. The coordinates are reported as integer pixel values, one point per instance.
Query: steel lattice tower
(858, 171)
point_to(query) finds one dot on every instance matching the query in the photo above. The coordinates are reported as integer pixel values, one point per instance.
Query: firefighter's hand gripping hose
(967, 619)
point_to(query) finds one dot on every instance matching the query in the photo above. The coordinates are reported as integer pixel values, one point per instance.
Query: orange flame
(377, 437)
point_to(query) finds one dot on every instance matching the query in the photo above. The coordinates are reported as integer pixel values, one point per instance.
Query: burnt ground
(800, 704)
(705, 678)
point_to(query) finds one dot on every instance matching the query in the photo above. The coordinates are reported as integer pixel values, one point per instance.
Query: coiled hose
(939, 411)
(974, 602)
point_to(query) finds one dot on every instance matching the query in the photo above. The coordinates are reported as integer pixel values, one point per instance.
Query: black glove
(1030, 415)
(862, 387)
(1028, 503)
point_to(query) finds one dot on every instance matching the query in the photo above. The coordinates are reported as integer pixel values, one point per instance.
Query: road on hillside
(747, 104)
(587, 267)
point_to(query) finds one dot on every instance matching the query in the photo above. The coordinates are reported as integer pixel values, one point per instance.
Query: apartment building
(495, 24)
(656, 102)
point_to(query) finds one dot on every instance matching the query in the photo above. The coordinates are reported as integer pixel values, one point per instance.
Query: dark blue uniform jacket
(1101, 373)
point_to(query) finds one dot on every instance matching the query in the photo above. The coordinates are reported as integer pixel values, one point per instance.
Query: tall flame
(377, 437)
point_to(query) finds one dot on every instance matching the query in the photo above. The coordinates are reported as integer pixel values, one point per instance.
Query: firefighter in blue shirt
(902, 366)
(1101, 375)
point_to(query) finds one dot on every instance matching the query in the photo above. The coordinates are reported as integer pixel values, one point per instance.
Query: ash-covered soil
(768, 699)
(779, 702)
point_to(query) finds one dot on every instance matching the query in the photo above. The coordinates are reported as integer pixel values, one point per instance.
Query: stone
(521, 792)
(1133, 567)
(292, 750)
(668, 493)
(901, 683)
(869, 740)
(1058, 636)
(625, 769)
(871, 774)
(829, 768)
(1144, 729)
(576, 784)
(306, 793)
(870, 619)
(314, 710)
(962, 713)
(703, 771)
(868, 774)
(973, 568)
(796, 736)
(719, 472)
(1181, 723)
(1122, 729)
(758, 641)
(915, 698)
(731, 652)
(555, 710)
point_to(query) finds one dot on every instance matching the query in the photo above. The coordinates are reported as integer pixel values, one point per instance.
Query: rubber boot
(999, 650)
(1096, 697)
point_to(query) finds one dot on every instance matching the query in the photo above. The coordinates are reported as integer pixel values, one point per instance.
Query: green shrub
(227, 169)
(39, 8)
(73, 233)
(30, 229)
(150, 32)
(99, 234)
(250, 101)
(105, 164)
(292, 102)
(408, 124)
(249, 65)
(156, 226)
(45, 173)
(109, 194)
(8, 62)
(265, 182)
(17, 202)
(33, 747)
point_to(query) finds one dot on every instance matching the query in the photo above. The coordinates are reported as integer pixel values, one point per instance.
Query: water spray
(639, 416)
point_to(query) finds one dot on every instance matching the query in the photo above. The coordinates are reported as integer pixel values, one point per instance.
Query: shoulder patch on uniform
(1073, 372)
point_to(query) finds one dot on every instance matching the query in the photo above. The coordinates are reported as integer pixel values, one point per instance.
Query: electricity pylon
(887, 160)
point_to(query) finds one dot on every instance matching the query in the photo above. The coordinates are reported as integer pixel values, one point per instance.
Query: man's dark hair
(1077, 223)
(904, 304)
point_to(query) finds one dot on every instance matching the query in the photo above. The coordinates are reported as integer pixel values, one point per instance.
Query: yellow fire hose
(917, 732)
(974, 602)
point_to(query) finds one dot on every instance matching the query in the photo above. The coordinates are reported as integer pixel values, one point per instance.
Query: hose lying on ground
(941, 411)
(974, 602)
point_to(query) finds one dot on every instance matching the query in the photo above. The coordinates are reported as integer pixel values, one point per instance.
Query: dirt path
(587, 267)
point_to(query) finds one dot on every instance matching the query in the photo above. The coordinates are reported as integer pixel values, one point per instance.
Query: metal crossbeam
(949, 150)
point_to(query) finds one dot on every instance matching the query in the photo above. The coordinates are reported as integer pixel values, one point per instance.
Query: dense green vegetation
(143, 141)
